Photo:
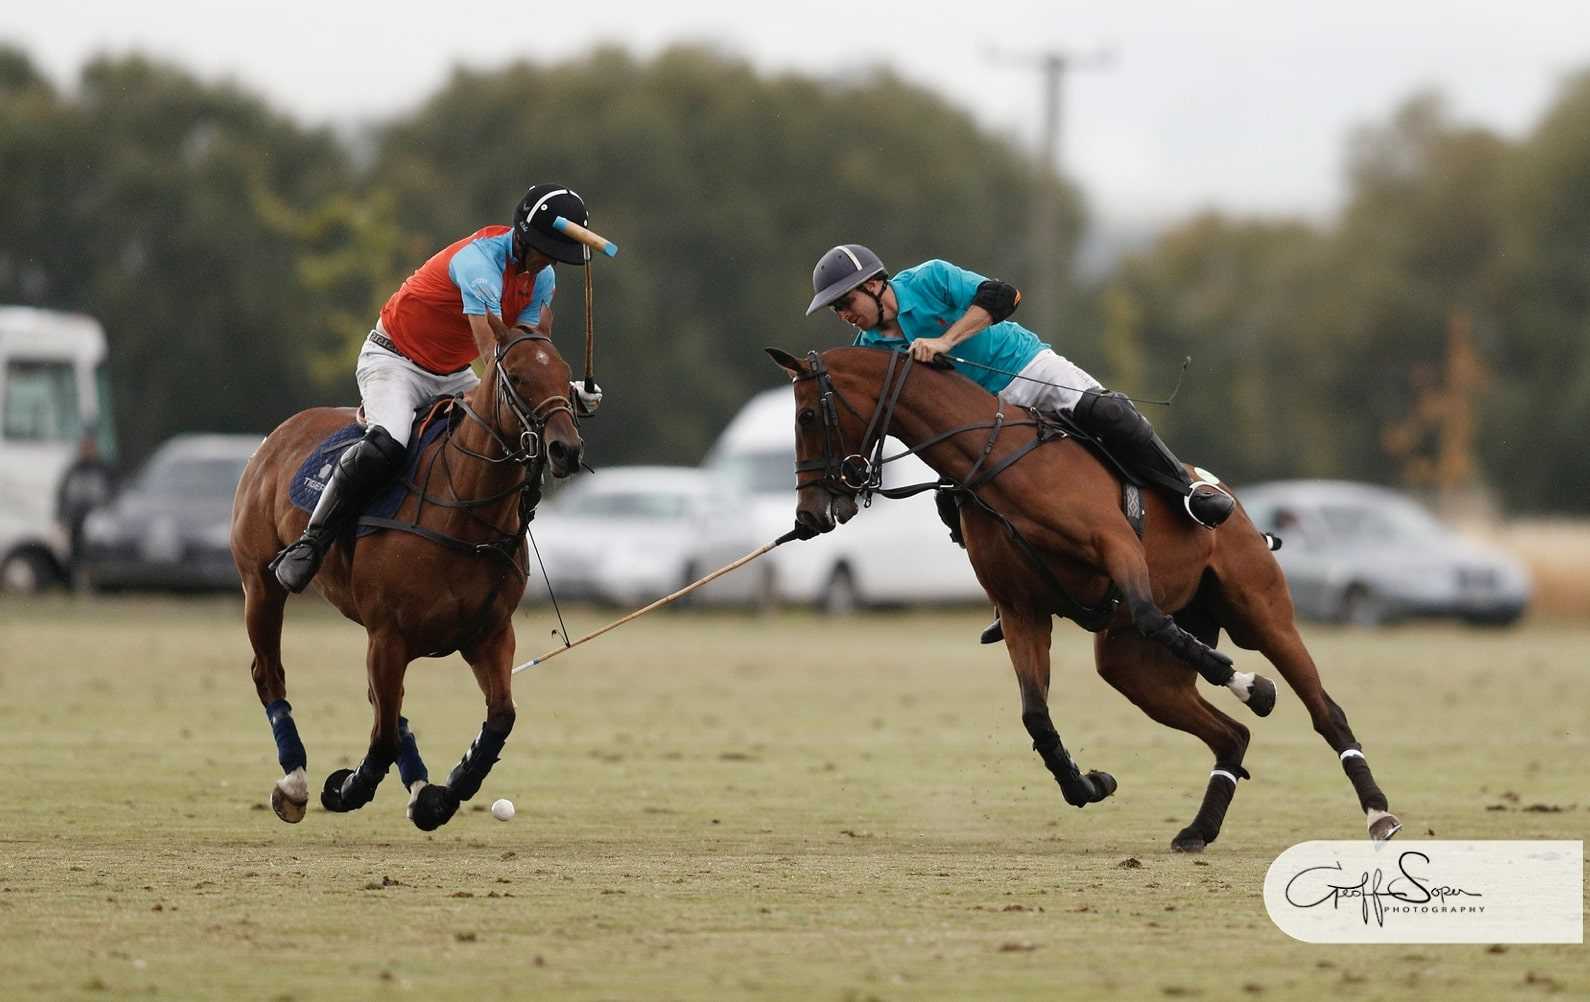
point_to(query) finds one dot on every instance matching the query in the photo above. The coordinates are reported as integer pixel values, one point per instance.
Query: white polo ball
(502, 810)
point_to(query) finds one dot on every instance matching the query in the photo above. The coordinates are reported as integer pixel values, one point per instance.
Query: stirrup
(1214, 518)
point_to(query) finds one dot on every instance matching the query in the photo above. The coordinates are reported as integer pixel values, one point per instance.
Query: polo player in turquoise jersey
(938, 308)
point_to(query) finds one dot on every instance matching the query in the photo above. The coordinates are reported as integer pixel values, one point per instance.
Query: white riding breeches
(391, 386)
(1060, 386)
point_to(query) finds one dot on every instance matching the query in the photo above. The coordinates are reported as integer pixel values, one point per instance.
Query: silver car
(1360, 554)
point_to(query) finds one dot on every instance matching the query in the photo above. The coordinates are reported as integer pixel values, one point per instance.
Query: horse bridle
(532, 420)
(851, 474)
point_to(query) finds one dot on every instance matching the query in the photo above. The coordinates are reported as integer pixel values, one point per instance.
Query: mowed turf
(717, 806)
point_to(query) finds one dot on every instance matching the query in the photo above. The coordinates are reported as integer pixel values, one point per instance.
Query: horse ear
(789, 363)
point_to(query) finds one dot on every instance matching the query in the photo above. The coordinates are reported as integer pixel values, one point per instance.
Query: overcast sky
(1239, 105)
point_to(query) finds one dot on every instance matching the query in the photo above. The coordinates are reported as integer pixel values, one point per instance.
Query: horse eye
(807, 416)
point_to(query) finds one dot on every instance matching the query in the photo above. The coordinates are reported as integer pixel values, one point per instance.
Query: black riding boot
(1131, 439)
(362, 469)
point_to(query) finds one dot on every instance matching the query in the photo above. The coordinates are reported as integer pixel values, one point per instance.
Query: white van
(894, 553)
(54, 413)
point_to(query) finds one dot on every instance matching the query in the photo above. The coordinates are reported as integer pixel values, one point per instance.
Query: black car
(170, 527)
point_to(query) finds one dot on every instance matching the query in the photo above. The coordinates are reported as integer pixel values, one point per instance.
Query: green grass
(725, 807)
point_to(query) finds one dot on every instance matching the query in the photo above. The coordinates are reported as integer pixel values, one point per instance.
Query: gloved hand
(585, 401)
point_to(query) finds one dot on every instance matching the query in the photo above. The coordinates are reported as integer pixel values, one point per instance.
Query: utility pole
(1044, 279)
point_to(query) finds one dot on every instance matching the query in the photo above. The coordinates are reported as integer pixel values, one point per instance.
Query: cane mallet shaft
(595, 241)
(687, 589)
(590, 329)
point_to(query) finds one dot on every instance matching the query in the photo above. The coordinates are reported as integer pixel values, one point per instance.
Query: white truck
(55, 417)
(894, 553)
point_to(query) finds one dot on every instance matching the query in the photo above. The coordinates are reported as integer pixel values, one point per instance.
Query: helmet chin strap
(877, 299)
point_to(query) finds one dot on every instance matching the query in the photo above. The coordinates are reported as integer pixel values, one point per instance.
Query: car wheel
(1362, 607)
(26, 572)
(841, 597)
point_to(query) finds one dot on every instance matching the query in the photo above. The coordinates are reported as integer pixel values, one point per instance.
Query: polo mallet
(592, 241)
(590, 329)
(795, 533)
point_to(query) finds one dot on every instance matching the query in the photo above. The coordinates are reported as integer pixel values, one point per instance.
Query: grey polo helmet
(532, 223)
(841, 270)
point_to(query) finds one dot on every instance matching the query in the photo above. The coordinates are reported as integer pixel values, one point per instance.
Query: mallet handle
(596, 241)
(687, 589)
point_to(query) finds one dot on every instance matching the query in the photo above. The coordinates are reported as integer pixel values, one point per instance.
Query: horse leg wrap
(1217, 798)
(289, 749)
(411, 768)
(471, 770)
(358, 788)
(1211, 664)
(1370, 798)
(1046, 742)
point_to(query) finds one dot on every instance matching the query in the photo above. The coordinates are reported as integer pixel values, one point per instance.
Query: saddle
(431, 419)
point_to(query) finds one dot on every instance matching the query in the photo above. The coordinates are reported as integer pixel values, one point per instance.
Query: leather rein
(528, 453)
(859, 474)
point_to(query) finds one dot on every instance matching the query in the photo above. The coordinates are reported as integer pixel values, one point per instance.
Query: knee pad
(376, 456)
(1109, 414)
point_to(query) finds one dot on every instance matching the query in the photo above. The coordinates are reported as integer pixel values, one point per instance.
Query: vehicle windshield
(767, 472)
(1387, 522)
(211, 477)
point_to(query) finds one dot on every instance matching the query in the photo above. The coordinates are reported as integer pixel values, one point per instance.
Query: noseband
(845, 473)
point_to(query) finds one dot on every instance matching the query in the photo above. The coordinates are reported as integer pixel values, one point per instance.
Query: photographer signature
(1403, 887)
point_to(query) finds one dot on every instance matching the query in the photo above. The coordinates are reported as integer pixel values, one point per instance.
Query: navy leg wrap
(411, 768)
(289, 750)
(471, 770)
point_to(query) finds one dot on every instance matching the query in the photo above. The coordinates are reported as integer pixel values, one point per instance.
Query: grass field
(723, 807)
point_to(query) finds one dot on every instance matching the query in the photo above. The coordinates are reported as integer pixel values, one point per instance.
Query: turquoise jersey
(935, 294)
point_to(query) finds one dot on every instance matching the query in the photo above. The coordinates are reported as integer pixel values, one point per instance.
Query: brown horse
(445, 576)
(1045, 529)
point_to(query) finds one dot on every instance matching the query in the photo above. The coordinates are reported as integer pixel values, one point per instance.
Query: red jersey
(428, 316)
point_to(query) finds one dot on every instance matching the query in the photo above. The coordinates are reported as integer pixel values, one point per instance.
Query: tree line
(237, 257)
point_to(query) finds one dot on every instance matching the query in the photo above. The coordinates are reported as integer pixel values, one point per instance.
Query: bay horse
(445, 573)
(1045, 529)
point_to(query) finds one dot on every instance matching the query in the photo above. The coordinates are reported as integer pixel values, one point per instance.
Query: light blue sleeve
(540, 296)
(479, 280)
(951, 285)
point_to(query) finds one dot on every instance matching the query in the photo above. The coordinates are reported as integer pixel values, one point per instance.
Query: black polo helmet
(532, 223)
(841, 270)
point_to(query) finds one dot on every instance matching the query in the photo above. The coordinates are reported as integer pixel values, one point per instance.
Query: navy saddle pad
(311, 477)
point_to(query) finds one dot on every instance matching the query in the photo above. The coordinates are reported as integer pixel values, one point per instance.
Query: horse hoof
(331, 793)
(1188, 841)
(1104, 783)
(1261, 696)
(286, 808)
(1089, 789)
(433, 807)
(1383, 826)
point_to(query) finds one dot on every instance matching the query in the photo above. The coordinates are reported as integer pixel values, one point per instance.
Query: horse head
(830, 455)
(529, 385)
